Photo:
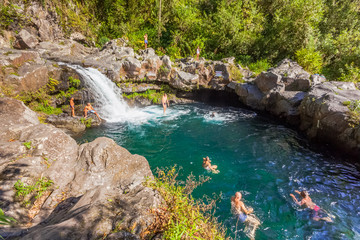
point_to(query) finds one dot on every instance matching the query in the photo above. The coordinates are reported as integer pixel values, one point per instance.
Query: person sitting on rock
(207, 165)
(244, 215)
(72, 106)
(90, 109)
(308, 203)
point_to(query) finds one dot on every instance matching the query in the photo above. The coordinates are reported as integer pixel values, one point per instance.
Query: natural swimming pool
(255, 155)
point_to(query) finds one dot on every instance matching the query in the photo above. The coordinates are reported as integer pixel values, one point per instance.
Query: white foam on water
(110, 105)
(109, 101)
(219, 116)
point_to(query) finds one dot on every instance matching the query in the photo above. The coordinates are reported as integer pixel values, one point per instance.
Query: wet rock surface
(97, 186)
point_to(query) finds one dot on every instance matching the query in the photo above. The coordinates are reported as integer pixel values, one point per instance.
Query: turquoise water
(255, 155)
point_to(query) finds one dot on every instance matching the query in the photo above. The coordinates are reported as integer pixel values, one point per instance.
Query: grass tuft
(181, 216)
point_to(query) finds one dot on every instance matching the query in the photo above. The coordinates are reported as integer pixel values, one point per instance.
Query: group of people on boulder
(88, 109)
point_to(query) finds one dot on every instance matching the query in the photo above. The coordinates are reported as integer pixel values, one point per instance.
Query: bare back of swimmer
(308, 203)
(244, 215)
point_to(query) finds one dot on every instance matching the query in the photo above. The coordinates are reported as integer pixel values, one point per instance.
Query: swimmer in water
(165, 102)
(207, 165)
(212, 114)
(308, 203)
(244, 215)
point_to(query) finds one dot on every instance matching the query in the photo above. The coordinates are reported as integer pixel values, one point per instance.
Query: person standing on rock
(197, 53)
(146, 40)
(72, 106)
(165, 101)
(90, 109)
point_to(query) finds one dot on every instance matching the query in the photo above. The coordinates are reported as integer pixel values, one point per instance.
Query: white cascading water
(109, 102)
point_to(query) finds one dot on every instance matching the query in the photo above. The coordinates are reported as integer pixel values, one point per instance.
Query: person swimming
(207, 165)
(308, 203)
(164, 102)
(244, 215)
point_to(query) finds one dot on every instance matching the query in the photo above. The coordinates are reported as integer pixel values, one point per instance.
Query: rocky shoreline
(96, 187)
(307, 102)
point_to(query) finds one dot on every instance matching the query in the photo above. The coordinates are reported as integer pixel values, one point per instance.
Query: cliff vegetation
(322, 35)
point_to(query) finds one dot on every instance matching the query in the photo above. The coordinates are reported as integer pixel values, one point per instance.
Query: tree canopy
(322, 35)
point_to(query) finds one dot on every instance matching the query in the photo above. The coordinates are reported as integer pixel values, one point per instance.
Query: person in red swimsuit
(307, 202)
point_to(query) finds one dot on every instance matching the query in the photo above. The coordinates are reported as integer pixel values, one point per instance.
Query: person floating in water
(165, 102)
(207, 165)
(72, 106)
(212, 114)
(90, 109)
(307, 202)
(146, 40)
(197, 53)
(244, 215)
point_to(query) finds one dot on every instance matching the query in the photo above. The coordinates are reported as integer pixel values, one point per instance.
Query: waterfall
(108, 99)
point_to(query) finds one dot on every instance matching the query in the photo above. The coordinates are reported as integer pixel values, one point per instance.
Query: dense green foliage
(180, 216)
(152, 95)
(323, 35)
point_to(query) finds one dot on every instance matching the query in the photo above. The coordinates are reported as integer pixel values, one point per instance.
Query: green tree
(291, 25)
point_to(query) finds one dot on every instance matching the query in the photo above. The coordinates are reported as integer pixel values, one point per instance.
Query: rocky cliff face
(97, 187)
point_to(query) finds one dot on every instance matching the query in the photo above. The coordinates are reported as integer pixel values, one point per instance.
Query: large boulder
(97, 187)
(67, 122)
(296, 84)
(27, 78)
(292, 75)
(14, 113)
(165, 69)
(250, 95)
(25, 40)
(267, 81)
(285, 105)
(78, 37)
(131, 67)
(123, 52)
(290, 69)
(184, 81)
(45, 30)
(324, 117)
